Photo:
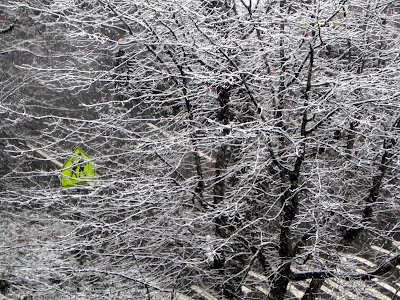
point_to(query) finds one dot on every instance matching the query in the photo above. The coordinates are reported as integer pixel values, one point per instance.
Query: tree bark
(9, 28)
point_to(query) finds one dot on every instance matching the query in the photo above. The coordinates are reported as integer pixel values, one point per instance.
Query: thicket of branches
(229, 137)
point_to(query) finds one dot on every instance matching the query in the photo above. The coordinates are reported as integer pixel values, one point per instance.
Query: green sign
(77, 169)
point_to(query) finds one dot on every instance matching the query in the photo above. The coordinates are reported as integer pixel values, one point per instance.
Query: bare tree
(243, 149)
